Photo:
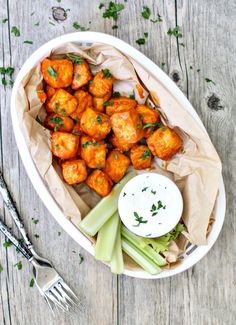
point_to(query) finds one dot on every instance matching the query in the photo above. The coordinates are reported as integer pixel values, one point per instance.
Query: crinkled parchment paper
(196, 170)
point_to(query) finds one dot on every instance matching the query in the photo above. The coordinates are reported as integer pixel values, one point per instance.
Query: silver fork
(50, 284)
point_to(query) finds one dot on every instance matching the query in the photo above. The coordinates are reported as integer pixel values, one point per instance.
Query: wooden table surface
(205, 294)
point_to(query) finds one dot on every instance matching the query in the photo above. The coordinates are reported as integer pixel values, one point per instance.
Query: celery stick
(106, 238)
(140, 258)
(148, 250)
(104, 209)
(117, 263)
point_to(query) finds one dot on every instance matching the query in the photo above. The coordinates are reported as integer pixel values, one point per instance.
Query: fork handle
(6, 231)
(12, 209)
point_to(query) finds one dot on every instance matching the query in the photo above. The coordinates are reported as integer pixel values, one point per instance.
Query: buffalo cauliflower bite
(99, 182)
(98, 102)
(84, 100)
(62, 103)
(50, 91)
(127, 126)
(123, 146)
(57, 73)
(59, 123)
(147, 114)
(120, 104)
(141, 157)
(164, 143)
(95, 124)
(93, 152)
(102, 83)
(82, 74)
(64, 145)
(116, 165)
(74, 171)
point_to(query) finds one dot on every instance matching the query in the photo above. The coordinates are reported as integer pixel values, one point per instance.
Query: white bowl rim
(37, 181)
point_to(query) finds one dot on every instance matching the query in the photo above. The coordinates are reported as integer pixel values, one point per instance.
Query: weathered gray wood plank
(206, 293)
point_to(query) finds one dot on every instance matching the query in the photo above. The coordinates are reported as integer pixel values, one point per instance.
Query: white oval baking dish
(193, 254)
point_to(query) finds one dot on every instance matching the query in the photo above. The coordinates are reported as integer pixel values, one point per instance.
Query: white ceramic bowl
(194, 254)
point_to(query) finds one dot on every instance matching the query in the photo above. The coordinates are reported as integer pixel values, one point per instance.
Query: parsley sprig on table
(76, 25)
(146, 13)
(113, 10)
(15, 31)
(175, 32)
(7, 72)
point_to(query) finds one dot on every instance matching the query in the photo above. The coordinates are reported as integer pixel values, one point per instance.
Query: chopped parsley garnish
(56, 106)
(153, 192)
(74, 58)
(76, 25)
(31, 284)
(198, 70)
(140, 41)
(7, 72)
(145, 34)
(116, 94)
(139, 219)
(138, 126)
(87, 143)
(163, 128)
(124, 194)
(1, 268)
(106, 73)
(7, 243)
(146, 13)
(108, 104)
(113, 10)
(28, 42)
(52, 72)
(57, 120)
(15, 31)
(209, 80)
(4, 82)
(114, 27)
(36, 24)
(132, 95)
(155, 208)
(98, 119)
(18, 265)
(175, 32)
(163, 64)
(35, 221)
(115, 155)
(158, 20)
(151, 125)
(81, 258)
(101, 5)
(144, 189)
(36, 236)
(146, 154)
(4, 20)
(63, 111)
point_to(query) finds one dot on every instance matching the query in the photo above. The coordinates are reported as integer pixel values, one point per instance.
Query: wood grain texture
(206, 294)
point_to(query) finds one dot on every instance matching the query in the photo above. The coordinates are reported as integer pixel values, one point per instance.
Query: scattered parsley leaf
(4, 20)
(139, 219)
(87, 143)
(32, 13)
(163, 64)
(175, 32)
(146, 154)
(116, 94)
(151, 125)
(21, 241)
(210, 81)
(124, 194)
(138, 126)
(144, 189)
(36, 24)
(28, 42)
(108, 104)
(132, 95)
(101, 5)
(106, 73)
(18, 265)
(52, 72)
(81, 258)
(74, 58)
(1, 268)
(36, 236)
(31, 284)
(76, 25)
(140, 41)
(56, 106)
(163, 128)
(57, 120)
(182, 44)
(98, 119)
(7, 243)
(114, 27)
(153, 192)
(115, 155)
(191, 68)
(146, 13)
(59, 233)
(158, 20)
(198, 70)
(4, 82)
(145, 34)
(113, 10)
(15, 31)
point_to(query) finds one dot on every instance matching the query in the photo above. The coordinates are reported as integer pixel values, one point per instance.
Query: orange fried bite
(84, 100)
(57, 73)
(99, 182)
(147, 114)
(50, 91)
(62, 103)
(74, 171)
(116, 165)
(102, 83)
(123, 146)
(141, 157)
(82, 74)
(127, 126)
(59, 123)
(98, 103)
(64, 145)
(93, 152)
(120, 104)
(164, 143)
(95, 124)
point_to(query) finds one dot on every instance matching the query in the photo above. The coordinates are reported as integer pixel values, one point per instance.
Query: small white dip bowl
(150, 205)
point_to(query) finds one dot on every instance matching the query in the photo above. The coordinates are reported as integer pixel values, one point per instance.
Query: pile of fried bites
(97, 134)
